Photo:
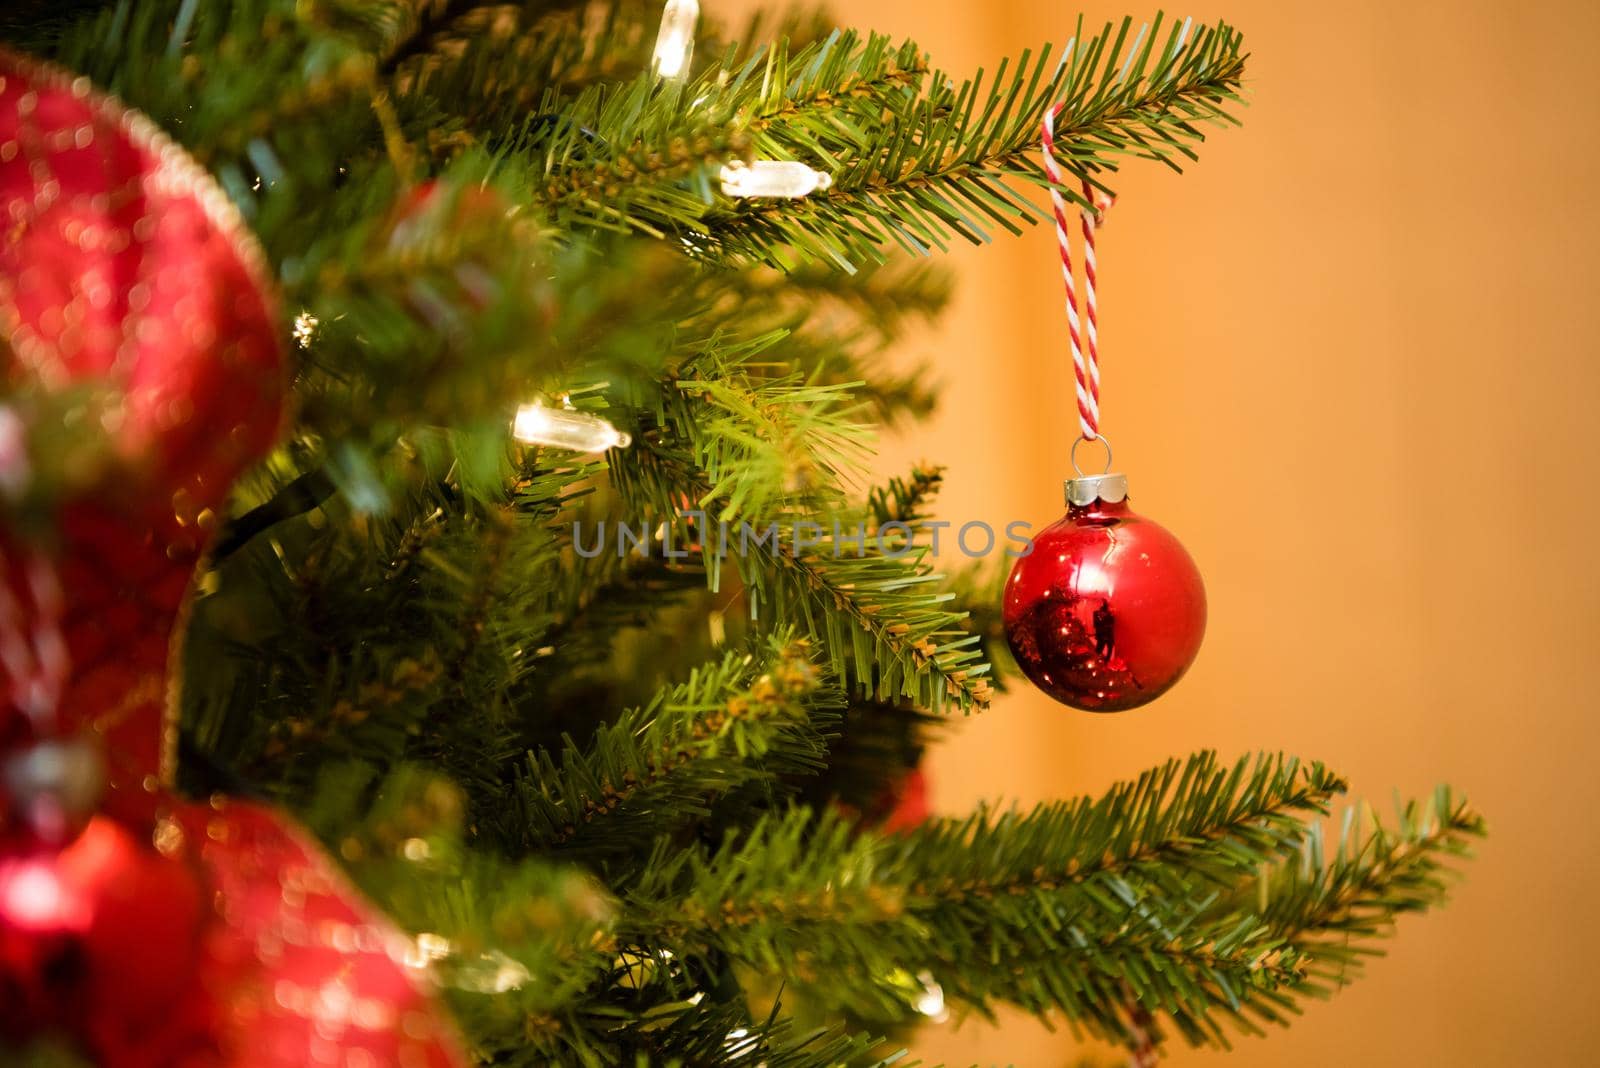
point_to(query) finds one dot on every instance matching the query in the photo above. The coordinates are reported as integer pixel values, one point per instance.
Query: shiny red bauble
(236, 944)
(101, 940)
(1107, 611)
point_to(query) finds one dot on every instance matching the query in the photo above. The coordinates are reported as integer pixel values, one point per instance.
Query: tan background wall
(1351, 358)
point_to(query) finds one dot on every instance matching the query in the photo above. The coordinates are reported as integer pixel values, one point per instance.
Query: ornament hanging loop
(1079, 471)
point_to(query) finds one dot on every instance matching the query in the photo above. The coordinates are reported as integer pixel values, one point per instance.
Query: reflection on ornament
(675, 42)
(773, 178)
(566, 428)
(32, 897)
(297, 961)
(97, 936)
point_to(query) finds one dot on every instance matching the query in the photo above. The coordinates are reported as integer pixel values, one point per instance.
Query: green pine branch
(344, 634)
(954, 155)
(726, 1037)
(1331, 909)
(733, 431)
(884, 300)
(884, 622)
(492, 79)
(1070, 907)
(838, 327)
(914, 156)
(745, 718)
(680, 1033)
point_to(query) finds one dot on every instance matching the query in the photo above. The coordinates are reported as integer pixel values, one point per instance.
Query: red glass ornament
(108, 944)
(1108, 610)
(100, 941)
(907, 803)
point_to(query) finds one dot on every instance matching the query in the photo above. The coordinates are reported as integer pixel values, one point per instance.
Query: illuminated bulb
(305, 328)
(492, 973)
(931, 1001)
(539, 424)
(675, 43)
(737, 1045)
(32, 895)
(426, 949)
(772, 178)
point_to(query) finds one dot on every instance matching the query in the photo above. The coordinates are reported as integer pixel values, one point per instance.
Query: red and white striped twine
(1085, 359)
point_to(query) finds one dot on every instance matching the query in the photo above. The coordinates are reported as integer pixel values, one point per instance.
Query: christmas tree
(559, 612)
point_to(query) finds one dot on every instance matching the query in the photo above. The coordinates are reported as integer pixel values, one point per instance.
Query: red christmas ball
(1107, 611)
(100, 943)
(908, 806)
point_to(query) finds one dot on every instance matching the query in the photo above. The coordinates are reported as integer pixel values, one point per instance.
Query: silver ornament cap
(1086, 489)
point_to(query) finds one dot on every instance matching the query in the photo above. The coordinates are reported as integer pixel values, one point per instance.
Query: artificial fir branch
(1324, 908)
(812, 896)
(873, 606)
(905, 500)
(756, 439)
(739, 720)
(495, 81)
(1180, 811)
(721, 1036)
(882, 631)
(916, 155)
(885, 299)
(952, 162)
(429, 21)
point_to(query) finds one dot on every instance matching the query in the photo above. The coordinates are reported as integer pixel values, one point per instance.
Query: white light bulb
(675, 43)
(564, 428)
(772, 178)
(425, 949)
(492, 973)
(931, 1001)
(305, 328)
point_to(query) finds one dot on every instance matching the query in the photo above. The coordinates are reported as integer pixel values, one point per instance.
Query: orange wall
(1348, 359)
